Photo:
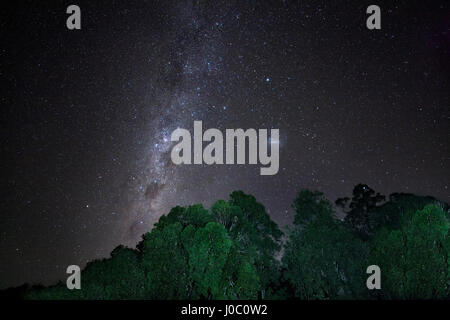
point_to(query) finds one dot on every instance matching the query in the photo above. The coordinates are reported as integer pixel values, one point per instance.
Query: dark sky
(87, 115)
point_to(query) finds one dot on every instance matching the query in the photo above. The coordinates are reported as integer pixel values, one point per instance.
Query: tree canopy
(234, 250)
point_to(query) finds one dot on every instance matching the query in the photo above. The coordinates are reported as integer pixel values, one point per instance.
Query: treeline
(235, 251)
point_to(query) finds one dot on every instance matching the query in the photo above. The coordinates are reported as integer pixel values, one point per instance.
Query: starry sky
(87, 115)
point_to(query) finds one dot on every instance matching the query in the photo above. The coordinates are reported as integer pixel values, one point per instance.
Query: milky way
(89, 113)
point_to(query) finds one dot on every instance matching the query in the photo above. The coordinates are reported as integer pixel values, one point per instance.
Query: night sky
(87, 114)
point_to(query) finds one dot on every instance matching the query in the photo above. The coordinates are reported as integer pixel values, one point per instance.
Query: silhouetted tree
(363, 204)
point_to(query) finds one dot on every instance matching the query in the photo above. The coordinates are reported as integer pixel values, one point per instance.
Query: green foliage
(415, 258)
(230, 252)
(165, 259)
(322, 259)
(247, 284)
(311, 206)
(259, 237)
(399, 209)
(119, 277)
(207, 257)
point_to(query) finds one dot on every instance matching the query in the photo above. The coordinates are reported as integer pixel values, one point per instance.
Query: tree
(119, 277)
(229, 252)
(207, 257)
(400, 208)
(195, 215)
(311, 206)
(194, 253)
(165, 259)
(322, 259)
(364, 203)
(414, 259)
(257, 235)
